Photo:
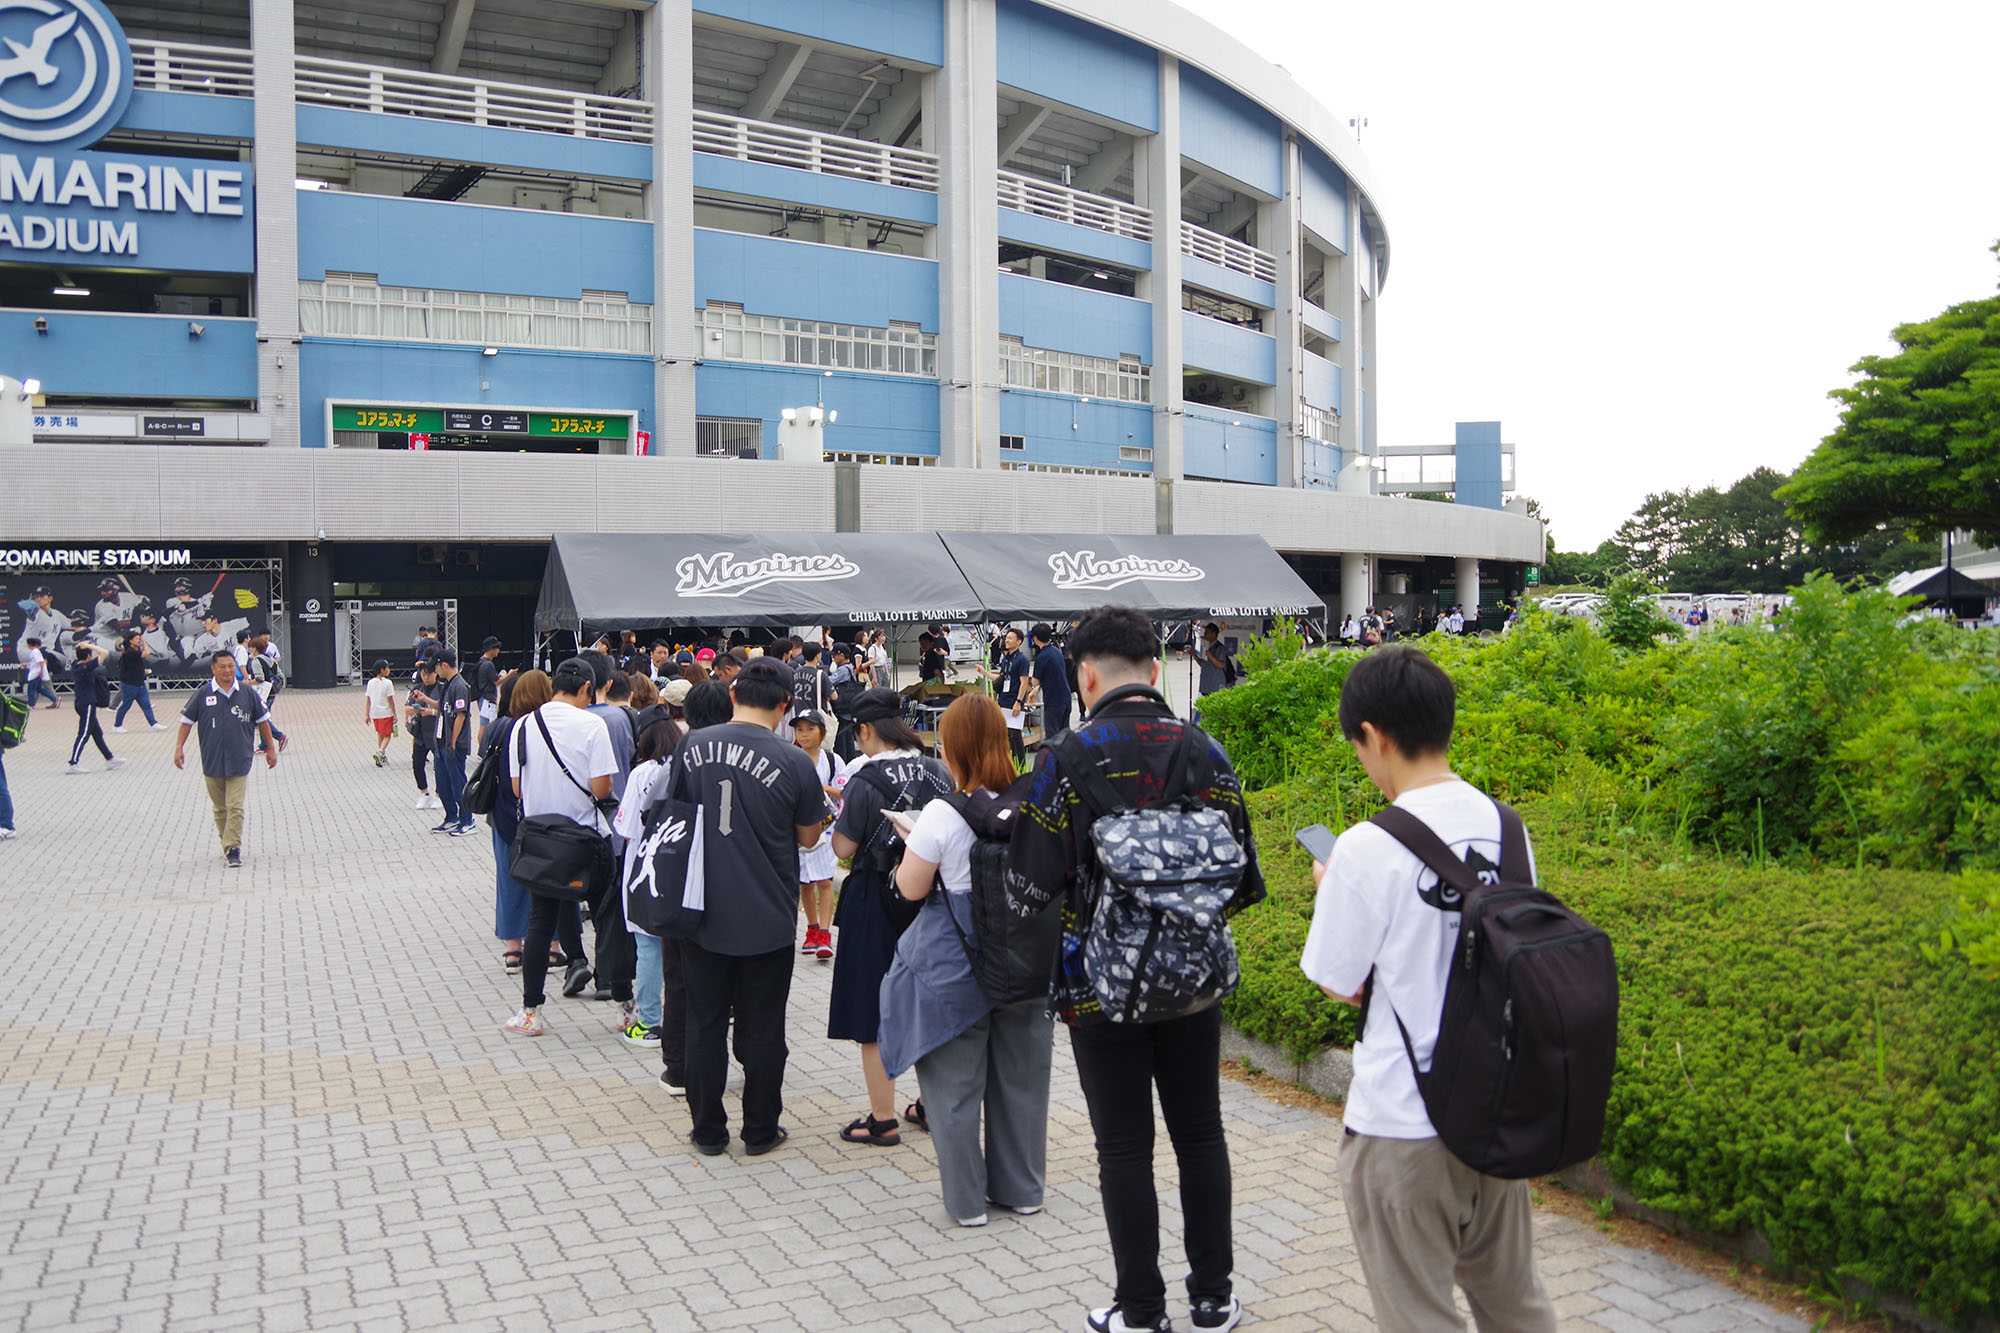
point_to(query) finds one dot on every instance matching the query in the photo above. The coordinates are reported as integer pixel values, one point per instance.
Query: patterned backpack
(1158, 944)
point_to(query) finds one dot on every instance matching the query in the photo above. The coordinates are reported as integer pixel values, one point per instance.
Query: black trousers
(88, 729)
(617, 955)
(673, 1013)
(547, 917)
(418, 752)
(1014, 745)
(756, 989)
(1119, 1065)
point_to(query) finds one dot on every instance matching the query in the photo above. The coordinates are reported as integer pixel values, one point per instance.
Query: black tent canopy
(1942, 585)
(1018, 576)
(619, 581)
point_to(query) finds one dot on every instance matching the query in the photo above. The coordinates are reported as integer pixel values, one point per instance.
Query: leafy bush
(1628, 615)
(1283, 644)
(1810, 1024)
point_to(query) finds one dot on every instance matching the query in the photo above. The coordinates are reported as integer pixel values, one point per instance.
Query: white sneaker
(74, 768)
(6, 833)
(118, 731)
(423, 803)
(157, 726)
(978, 1221)
(1111, 1319)
(114, 763)
(433, 803)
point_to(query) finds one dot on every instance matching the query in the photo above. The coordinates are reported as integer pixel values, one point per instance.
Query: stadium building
(370, 298)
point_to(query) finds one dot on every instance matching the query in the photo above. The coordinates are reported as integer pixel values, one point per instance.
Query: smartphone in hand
(902, 819)
(1317, 839)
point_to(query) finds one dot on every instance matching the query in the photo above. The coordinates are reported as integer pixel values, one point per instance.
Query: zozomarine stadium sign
(65, 80)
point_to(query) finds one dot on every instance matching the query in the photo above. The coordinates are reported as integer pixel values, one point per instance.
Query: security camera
(41, 325)
(195, 330)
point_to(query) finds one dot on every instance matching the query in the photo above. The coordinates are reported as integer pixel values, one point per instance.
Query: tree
(1629, 616)
(1918, 444)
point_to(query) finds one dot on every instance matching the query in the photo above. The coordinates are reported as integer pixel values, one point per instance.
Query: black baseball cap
(381, 664)
(573, 676)
(809, 715)
(876, 705)
(446, 657)
(43, 591)
(107, 585)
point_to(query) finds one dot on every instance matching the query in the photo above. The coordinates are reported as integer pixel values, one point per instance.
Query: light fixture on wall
(41, 326)
(489, 351)
(69, 291)
(196, 330)
(29, 388)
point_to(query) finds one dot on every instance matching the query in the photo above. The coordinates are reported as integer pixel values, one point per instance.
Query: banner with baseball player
(183, 617)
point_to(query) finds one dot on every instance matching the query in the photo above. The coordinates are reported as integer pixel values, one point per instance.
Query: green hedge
(1767, 826)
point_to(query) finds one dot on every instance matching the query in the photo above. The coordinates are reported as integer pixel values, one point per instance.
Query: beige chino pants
(225, 798)
(1422, 1218)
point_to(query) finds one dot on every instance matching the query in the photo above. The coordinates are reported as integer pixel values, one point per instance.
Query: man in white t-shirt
(38, 675)
(1385, 925)
(561, 761)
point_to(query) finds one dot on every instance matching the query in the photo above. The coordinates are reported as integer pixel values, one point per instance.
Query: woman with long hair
(969, 1053)
(520, 695)
(892, 774)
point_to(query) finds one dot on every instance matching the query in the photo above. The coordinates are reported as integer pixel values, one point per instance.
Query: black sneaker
(576, 978)
(446, 827)
(1211, 1313)
(603, 991)
(1111, 1319)
(233, 858)
(709, 1149)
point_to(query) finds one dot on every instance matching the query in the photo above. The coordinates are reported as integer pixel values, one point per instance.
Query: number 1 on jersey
(724, 818)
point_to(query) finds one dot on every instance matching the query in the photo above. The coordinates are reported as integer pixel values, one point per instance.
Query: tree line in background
(1916, 455)
(1739, 539)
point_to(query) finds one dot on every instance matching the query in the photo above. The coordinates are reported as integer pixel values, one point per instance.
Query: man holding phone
(1385, 924)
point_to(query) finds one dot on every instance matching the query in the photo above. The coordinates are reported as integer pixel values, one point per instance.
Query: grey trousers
(1420, 1219)
(1001, 1063)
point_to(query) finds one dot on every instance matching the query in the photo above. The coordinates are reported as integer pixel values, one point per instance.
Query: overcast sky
(1649, 238)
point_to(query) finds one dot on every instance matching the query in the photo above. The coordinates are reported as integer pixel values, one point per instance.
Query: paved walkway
(279, 1098)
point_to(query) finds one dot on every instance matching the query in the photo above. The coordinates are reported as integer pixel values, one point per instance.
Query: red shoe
(825, 945)
(811, 944)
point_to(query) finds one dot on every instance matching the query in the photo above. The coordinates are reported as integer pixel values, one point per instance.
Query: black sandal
(511, 960)
(914, 1114)
(881, 1133)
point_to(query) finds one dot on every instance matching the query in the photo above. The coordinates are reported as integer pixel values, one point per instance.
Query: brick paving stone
(283, 1102)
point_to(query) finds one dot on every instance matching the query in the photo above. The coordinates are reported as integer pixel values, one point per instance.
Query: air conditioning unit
(430, 555)
(466, 557)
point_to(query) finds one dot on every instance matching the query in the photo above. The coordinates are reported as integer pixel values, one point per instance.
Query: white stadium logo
(65, 71)
(1083, 570)
(723, 575)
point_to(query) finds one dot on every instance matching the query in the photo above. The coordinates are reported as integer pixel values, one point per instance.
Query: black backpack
(1528, 1037)
(883, 851)
(1157, 945)
(1015, 953)
(13, 721)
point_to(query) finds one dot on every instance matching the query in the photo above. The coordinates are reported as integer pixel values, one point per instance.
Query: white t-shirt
(38, 665)
(943, 838)
(630, 820)
(1380, 907)
(584, 743)
(381, 697)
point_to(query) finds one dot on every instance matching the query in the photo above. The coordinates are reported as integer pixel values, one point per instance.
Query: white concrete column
(966, 139)
(1356, 585)
(1468, 587)
(1278, 232)
(1343, 299)
(669, 46)
(1160, 158)
(274, 158)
